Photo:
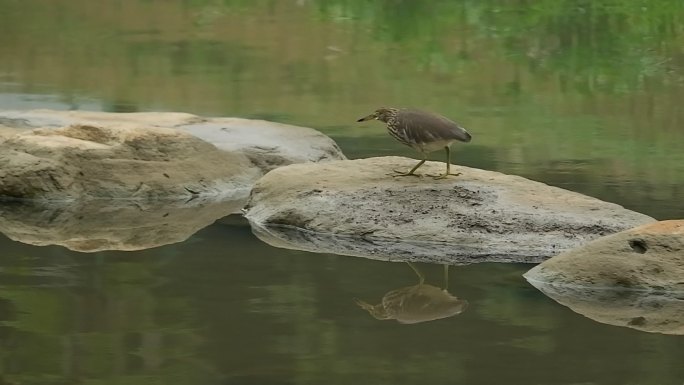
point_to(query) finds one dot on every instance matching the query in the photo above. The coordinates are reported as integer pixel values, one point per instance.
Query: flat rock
(118, 161)
(357, 207)
(266, 144)
(646, 258)
(99, 225)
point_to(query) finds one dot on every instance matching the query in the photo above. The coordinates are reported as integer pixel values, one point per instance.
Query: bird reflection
(417, 303)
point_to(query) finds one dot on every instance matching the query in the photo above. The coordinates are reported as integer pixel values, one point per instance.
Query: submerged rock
(266, 144)
(97, 225)
(648, 257)
(640, 310)
(118, 161)
(357, 207)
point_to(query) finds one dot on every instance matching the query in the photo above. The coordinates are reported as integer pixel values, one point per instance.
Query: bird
(423, 131)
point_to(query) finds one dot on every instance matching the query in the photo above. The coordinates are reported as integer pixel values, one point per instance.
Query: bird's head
(382, 114)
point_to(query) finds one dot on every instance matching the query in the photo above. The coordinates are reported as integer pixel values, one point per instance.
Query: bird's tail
(466, 135)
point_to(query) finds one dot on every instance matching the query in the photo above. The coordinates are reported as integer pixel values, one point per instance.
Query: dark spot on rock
(80, 173)
(623, 282)
(658, 289)
(366, 232)
(309, 193)
(289, 218)
(191, 191)
(638, 245)
(166, 175)
(637, 321)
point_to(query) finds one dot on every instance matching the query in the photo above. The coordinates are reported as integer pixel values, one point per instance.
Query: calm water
(582, 95)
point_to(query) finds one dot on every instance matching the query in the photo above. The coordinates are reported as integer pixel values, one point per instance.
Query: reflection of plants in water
(417, 303)
(604, 45)
(595, 45)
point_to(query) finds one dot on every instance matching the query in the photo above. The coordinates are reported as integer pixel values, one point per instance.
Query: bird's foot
(403, 173)
(443, 176)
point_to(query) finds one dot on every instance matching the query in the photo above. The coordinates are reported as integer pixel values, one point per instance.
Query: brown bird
(424, 131)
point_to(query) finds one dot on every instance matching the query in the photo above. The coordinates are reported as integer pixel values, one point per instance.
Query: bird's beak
(369, 117)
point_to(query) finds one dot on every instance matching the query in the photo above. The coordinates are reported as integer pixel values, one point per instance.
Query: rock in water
(648, 257)
(266, 144)
(634, 278)
(118, 161)
(482, 215)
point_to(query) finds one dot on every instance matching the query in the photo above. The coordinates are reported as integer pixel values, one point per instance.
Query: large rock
(99, 225)
(649, 257)
(118, 161)
(266, 144)
(353, 206)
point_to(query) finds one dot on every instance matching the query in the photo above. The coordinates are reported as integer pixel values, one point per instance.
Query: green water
(584, 95)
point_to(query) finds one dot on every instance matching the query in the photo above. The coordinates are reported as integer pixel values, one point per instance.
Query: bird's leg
(411, 172)
(448, 166)
(421, 277)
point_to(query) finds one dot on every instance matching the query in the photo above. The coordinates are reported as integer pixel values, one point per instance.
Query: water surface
(581, 95)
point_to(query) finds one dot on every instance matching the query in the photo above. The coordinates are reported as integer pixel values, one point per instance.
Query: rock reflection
(461, 251)
(417, 303)
(91, 226)
(645, 311)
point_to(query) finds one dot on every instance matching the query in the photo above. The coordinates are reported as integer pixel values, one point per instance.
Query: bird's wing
(424, 127)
